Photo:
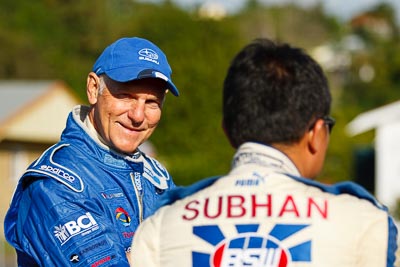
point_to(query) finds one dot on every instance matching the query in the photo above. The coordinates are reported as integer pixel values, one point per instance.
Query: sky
(343, 9)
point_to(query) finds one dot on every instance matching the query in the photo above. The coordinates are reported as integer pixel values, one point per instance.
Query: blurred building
(376, 24)
(32, 117)
(386, 123)
(212, 10)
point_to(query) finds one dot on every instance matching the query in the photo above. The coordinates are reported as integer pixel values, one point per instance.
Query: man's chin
(126, 149)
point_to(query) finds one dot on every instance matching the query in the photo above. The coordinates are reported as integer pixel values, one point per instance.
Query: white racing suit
(263, 214)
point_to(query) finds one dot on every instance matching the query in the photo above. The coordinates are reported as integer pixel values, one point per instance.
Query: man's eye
(123, 96)
(153, 103)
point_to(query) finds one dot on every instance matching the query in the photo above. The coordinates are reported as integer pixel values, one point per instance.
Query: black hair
(272, 94)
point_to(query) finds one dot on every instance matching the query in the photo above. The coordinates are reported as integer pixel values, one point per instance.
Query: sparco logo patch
(59, 172)
(82, 226)
(250, 247)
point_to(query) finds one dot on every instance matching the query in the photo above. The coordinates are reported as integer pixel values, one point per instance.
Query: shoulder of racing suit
(347, 187)
(47, 166)
(59, 163)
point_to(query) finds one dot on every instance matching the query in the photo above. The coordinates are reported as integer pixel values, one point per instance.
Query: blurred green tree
(60, 39)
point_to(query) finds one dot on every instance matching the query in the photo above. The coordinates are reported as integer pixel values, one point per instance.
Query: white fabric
(331, 230)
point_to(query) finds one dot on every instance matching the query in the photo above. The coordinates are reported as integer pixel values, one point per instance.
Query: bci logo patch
(81, 225)
(250, 247)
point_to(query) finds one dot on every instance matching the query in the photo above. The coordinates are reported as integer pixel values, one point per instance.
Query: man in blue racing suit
(80, 203)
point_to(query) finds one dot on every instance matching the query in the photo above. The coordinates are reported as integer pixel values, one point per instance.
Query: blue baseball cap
(129, 59)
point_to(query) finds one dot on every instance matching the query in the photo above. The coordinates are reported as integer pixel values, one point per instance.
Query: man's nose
(136, 112)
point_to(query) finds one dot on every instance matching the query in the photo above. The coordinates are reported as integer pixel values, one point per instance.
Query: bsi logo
(82, 226)
(253, 247)
(250, 250)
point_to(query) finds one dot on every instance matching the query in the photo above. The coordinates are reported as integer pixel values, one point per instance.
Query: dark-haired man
(268, 211)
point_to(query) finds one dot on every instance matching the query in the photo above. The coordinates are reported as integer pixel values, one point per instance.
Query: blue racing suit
(79, 204)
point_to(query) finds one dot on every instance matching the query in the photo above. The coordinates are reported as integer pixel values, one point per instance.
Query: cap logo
(149, 55)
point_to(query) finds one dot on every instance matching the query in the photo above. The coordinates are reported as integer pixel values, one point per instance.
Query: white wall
(387, 146)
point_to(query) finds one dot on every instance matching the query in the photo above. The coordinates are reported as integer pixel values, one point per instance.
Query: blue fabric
(134, 58)
(392, 243)
(77, 205)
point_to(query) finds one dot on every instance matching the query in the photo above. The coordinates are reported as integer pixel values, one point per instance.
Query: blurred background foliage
(61, 39)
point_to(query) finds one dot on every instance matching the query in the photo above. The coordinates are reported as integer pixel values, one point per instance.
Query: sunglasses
(328, 120)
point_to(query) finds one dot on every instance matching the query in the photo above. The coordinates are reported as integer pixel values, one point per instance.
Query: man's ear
(92, 87)
(316, 136)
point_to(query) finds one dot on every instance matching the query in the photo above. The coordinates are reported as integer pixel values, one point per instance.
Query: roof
(34, 111)
(374, 118)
